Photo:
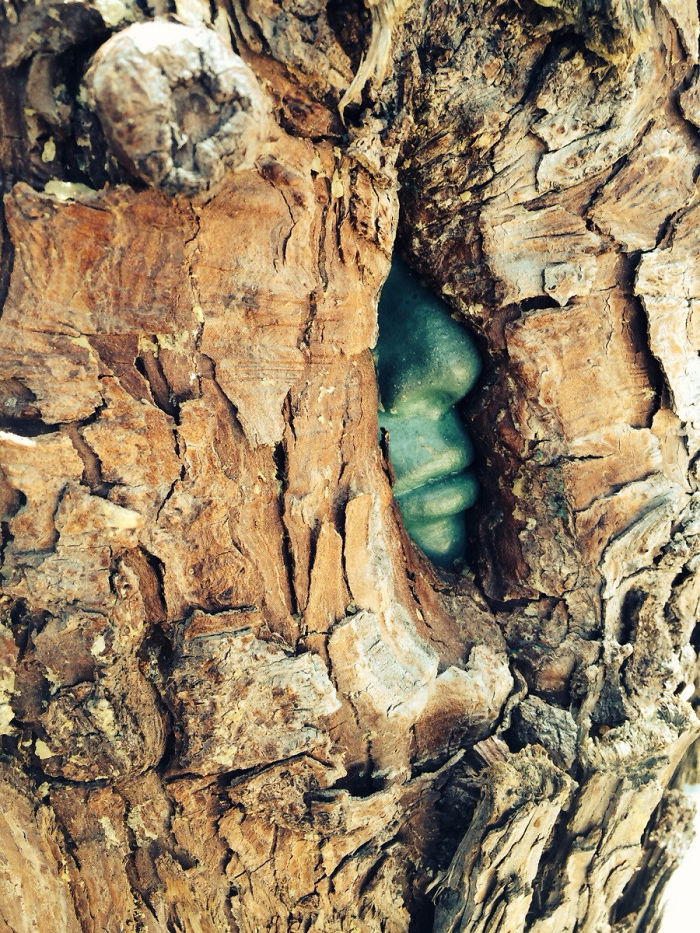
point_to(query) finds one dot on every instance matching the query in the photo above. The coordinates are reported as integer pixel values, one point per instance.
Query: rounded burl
(177, 106)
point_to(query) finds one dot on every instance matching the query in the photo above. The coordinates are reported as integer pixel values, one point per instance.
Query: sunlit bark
(233, 694)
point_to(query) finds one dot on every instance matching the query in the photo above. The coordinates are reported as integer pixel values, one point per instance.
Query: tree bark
(234, 695)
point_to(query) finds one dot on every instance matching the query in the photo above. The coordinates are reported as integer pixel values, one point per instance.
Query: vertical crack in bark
(270, 171)
(286, 238)
(142, 897)
(92, 472)
(191, 245)
(180, 477)
(305, 340)
(7, 254)
(280, 458)
(247, 31)
(658, 379)
(322, 269)
(148, 364)
(69, 853)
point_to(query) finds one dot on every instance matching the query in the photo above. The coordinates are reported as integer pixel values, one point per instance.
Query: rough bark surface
(233, 694)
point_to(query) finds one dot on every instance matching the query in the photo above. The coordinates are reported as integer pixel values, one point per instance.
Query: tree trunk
(234, 695)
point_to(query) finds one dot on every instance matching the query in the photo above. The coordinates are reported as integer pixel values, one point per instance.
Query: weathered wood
(233, 694)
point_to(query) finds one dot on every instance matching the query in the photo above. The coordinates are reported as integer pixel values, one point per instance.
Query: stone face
(425, 364)
(424, 450)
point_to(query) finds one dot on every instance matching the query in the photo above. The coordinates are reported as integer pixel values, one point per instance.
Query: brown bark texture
(234, 696)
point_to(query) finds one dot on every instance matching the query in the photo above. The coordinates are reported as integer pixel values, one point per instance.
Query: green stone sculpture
(426, 362)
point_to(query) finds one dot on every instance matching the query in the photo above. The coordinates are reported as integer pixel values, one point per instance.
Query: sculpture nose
(427, 361)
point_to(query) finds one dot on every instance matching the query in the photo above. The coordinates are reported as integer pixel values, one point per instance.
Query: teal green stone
(422, 449)
(443, 540)
(440, 498)
(426, 360)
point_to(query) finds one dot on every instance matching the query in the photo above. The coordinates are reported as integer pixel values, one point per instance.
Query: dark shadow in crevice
(279, 457)
(28, 427)
(7, 254)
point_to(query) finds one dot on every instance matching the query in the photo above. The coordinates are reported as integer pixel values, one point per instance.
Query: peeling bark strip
(234, 696)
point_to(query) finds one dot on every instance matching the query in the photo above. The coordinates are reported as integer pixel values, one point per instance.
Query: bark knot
(177, 106)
